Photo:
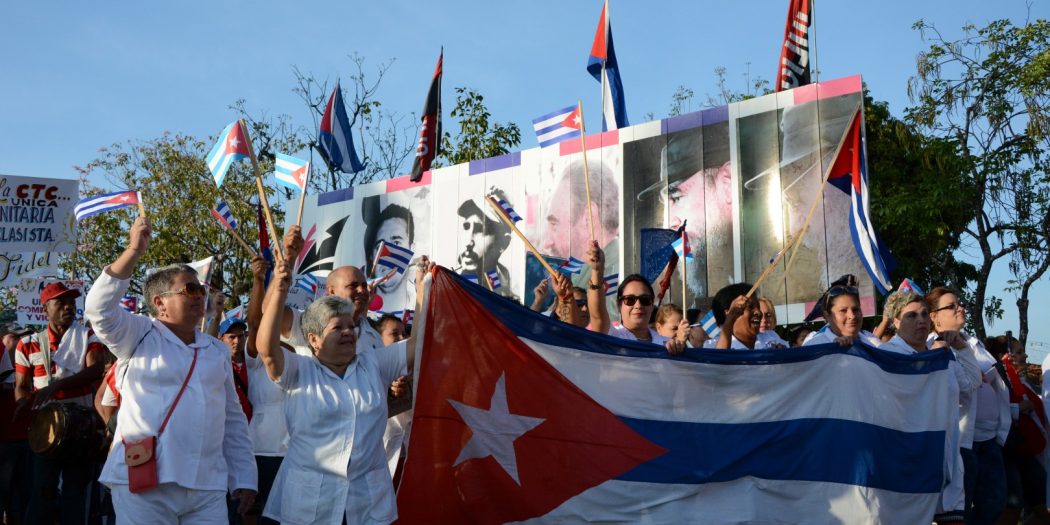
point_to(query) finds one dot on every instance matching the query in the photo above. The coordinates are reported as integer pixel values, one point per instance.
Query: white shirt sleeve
(236, 443)
(968, 373)
(115, 327)
(393, 361)
(290, 377)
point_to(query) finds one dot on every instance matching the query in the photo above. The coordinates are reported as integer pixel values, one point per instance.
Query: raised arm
(725, 339)
(596, 308)
(114, 326)
(268, 341)
(567, 310)
(256, 298)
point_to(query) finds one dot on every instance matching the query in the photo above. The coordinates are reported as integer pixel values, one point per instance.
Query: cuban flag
(849, 174)
(612, 282)
(231, 146)
(334, 139)
(223, 214)
(507, 209)
(309, 282)
(130, 303)
(710, 325)
(681, 246)
(909, 285)
(572, 266)
(103, 203)
(556, 424)
(394, 257)
(493, 277)
(291, 172)
(602, 65)
(564, 124)
(235, 313)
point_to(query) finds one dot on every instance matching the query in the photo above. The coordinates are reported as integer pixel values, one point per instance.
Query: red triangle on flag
(567, 444)
(573, 120)
(236, 143)
(846, 169)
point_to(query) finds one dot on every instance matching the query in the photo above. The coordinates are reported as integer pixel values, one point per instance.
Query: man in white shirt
(204, 449)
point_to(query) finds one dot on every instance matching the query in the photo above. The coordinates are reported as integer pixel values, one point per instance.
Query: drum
(66, 431)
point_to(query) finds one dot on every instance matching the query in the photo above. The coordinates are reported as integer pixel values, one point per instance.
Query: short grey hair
(317, 315)
(160, 281)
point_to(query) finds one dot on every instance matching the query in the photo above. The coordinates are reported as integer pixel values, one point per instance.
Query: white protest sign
(31, 311)
(17, 266)
(36, 214)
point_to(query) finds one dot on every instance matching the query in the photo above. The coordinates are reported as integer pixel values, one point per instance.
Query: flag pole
(586, 170)
(240, 240)
(605, 78)
(142, 208)
(302, 196)
(531, 248)
(375, 260)
(275, 246)
(792, 240)
(685, 264)
(820, 190)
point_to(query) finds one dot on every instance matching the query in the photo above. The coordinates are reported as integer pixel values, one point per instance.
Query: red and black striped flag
(793, 70)
(430, 133)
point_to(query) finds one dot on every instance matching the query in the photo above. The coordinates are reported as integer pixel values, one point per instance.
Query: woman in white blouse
(336, 410)
(841, 308)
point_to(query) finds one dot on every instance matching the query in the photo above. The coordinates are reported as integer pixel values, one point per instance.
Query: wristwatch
(596, 286)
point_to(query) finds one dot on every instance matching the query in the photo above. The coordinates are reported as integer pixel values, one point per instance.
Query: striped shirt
(65, 362)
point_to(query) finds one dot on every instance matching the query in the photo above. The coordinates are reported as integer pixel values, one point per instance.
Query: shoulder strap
(133, 350)
(43, 340)
(193, 364)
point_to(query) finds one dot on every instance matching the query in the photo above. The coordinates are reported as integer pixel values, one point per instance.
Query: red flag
(553, 441)
(430, 132)
(793, 69)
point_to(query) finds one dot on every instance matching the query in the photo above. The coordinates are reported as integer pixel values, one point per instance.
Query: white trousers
(171, 504)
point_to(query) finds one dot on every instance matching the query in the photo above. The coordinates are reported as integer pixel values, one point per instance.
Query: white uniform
(825, 336)
(768, 340)
(335, 461)
(618, 330)
(205, 446)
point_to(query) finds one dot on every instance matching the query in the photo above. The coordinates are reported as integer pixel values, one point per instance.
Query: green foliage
(178, 192)
(477, 137)
(681, 101)
(986, 93)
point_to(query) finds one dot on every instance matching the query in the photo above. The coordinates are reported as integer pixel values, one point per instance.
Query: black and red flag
(430, 132)
(793, 70)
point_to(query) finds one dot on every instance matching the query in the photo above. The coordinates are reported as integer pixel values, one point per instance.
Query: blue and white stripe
(550, 128)
(225, 216)
(710, 325)
(572, 266)
(493, 277)
(505, 206)
(291, 172)
(394, 257)
(103, 203)
(218, 159)
(612, 282)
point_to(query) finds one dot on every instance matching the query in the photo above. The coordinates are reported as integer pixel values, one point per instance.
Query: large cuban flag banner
(520, 419)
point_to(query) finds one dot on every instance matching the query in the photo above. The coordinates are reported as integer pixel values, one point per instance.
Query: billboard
(742, 177)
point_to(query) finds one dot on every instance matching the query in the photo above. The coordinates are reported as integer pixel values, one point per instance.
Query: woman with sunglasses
(985, 417)
(911, 319)
(201, 445)
(740, 317)
(841, 308)
(335, 408)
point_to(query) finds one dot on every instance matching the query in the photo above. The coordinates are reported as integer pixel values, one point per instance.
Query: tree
(477, 137)
(391, 135)
(178, 192)
(986, 93)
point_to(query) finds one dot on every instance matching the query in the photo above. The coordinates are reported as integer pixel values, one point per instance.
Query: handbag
(141, 455)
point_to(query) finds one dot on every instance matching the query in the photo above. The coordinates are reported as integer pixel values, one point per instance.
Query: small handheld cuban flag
(406, 318)
(572, 266)
(231, 146)
(309, 283)
(394, 257)
(554, 127)
(710, 325)
(130, 303)
(103, 203)
(291, 172)
(236, 313)
(493, 277)
(611, 283)
(507, 210)
(223, 214)
(681, 246)
(909, 285)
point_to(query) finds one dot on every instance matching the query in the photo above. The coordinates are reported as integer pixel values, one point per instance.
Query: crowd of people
(293, 416)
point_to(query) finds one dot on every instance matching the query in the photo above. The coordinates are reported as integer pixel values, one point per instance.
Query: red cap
(56, 290)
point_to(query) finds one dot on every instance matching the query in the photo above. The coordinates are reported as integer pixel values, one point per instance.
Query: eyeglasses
(838, 290)
(581, 303)
(629, 300)
(949, 306)
(190, 290)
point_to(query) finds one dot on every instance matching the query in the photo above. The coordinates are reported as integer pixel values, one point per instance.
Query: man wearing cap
(234, 332)
(484, 238)
(62, 363)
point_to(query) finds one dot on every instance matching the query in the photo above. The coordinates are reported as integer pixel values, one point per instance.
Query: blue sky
(82, 75)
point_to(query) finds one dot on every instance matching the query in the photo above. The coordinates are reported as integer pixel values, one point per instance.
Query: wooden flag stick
(685, 264)
(819, 197)
(791, 241)
(275, 246)
(375, 260)
(142, 208)
(586, 172)
(510, 224)
(240, 240)
(302, 197)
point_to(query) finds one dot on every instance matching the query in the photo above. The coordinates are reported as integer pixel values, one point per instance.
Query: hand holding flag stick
(142, 209)
(503, 215)
(792, 240)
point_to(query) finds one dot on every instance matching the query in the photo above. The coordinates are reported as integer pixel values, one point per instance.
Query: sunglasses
(581, 303)
(190, 290)
(629, 300)
(949, 306)
(838, 290)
